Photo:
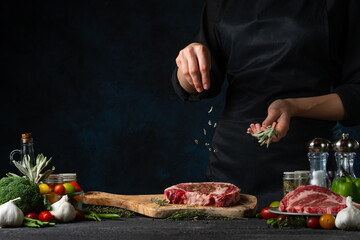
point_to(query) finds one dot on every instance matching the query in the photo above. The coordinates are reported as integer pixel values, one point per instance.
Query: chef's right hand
(194, 65)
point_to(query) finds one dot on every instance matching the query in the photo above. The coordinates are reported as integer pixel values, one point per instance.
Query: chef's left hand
(279, 111)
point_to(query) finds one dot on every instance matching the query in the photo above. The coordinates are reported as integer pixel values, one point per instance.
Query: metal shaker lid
(344, 144)
(319, 145)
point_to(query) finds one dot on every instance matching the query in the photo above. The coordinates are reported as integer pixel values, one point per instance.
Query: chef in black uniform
(293, 62)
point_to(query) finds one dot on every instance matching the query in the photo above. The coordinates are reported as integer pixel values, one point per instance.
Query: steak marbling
(313, 199)
(203, 194)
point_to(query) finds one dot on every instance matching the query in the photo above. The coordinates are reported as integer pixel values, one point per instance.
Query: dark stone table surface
(147, 228)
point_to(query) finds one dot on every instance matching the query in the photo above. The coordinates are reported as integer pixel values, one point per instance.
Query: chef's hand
(194, 65)
(279, 111)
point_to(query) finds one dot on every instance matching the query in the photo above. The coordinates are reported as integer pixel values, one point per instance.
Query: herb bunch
(194, 215)
(291, 222)
(266, 135)
(109, 210)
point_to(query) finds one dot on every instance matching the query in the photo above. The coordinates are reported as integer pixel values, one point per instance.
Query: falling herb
(196, 141)
(194, 215)
(207, 144)
(210, 109)
(215, 150)
(109, 210)
(159, 202)
(209, 122)
(215, 125)
(266, 135)
(204, 131)
(209, 149)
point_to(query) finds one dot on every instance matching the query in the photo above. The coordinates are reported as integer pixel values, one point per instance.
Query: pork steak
(313, 199)
(203, 194)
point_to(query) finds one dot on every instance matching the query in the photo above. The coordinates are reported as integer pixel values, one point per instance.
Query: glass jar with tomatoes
(52, 180)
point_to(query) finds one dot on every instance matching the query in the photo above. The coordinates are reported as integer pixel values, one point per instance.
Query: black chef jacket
(268, 50)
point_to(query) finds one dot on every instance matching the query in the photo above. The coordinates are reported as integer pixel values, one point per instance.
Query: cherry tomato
(45, 216)
(69, 188)
(32, 215)
(75, 184)
(44, 188)
(59, 189)
(77, 187)
(327, 221)
(80, 216)
(266, 214)
(282, 218)
(313, 222)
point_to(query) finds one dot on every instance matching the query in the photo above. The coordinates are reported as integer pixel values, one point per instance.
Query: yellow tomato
(327, 221)
(44, 188)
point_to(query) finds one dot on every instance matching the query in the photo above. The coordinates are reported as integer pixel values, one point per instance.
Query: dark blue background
(91, 81)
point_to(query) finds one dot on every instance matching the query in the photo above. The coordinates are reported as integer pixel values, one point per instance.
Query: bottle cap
(26, 137)
(344, 144)
(319, 145)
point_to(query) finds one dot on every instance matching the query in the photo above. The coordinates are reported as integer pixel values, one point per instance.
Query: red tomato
(45, 216)
(313, 222)
(59, 189)
(266, 214)
(76, 185)
(80, 216)
(32, 215)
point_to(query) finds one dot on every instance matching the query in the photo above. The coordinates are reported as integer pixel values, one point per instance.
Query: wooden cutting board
(142, 204)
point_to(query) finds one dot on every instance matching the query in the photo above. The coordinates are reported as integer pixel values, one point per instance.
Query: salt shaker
(318, 155)
(345, 149)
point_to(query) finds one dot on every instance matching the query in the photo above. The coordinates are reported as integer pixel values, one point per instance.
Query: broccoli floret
(13, 187)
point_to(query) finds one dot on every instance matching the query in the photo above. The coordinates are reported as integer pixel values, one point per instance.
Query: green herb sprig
(159, 202)
(109, 210)
(291, 222)
(194, 215)
(266, 135)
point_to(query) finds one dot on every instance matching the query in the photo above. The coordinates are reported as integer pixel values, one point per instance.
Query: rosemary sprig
(266, 135)
(98, 209)
(159, 202)
(194, 215)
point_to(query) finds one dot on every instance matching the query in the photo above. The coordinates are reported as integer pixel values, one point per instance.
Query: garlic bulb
(10, 214)
(348, 218)
(62, 210)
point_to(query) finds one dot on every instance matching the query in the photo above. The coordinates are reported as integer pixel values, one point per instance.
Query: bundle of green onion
(266, 135)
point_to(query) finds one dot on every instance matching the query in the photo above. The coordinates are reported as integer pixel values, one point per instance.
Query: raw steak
(203, 194)
(313, 199)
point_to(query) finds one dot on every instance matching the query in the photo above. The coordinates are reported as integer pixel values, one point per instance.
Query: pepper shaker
(345, 149)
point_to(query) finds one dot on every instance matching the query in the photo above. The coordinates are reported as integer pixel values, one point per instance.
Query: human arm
(343, 103)
(206, 58)
(325, 107)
